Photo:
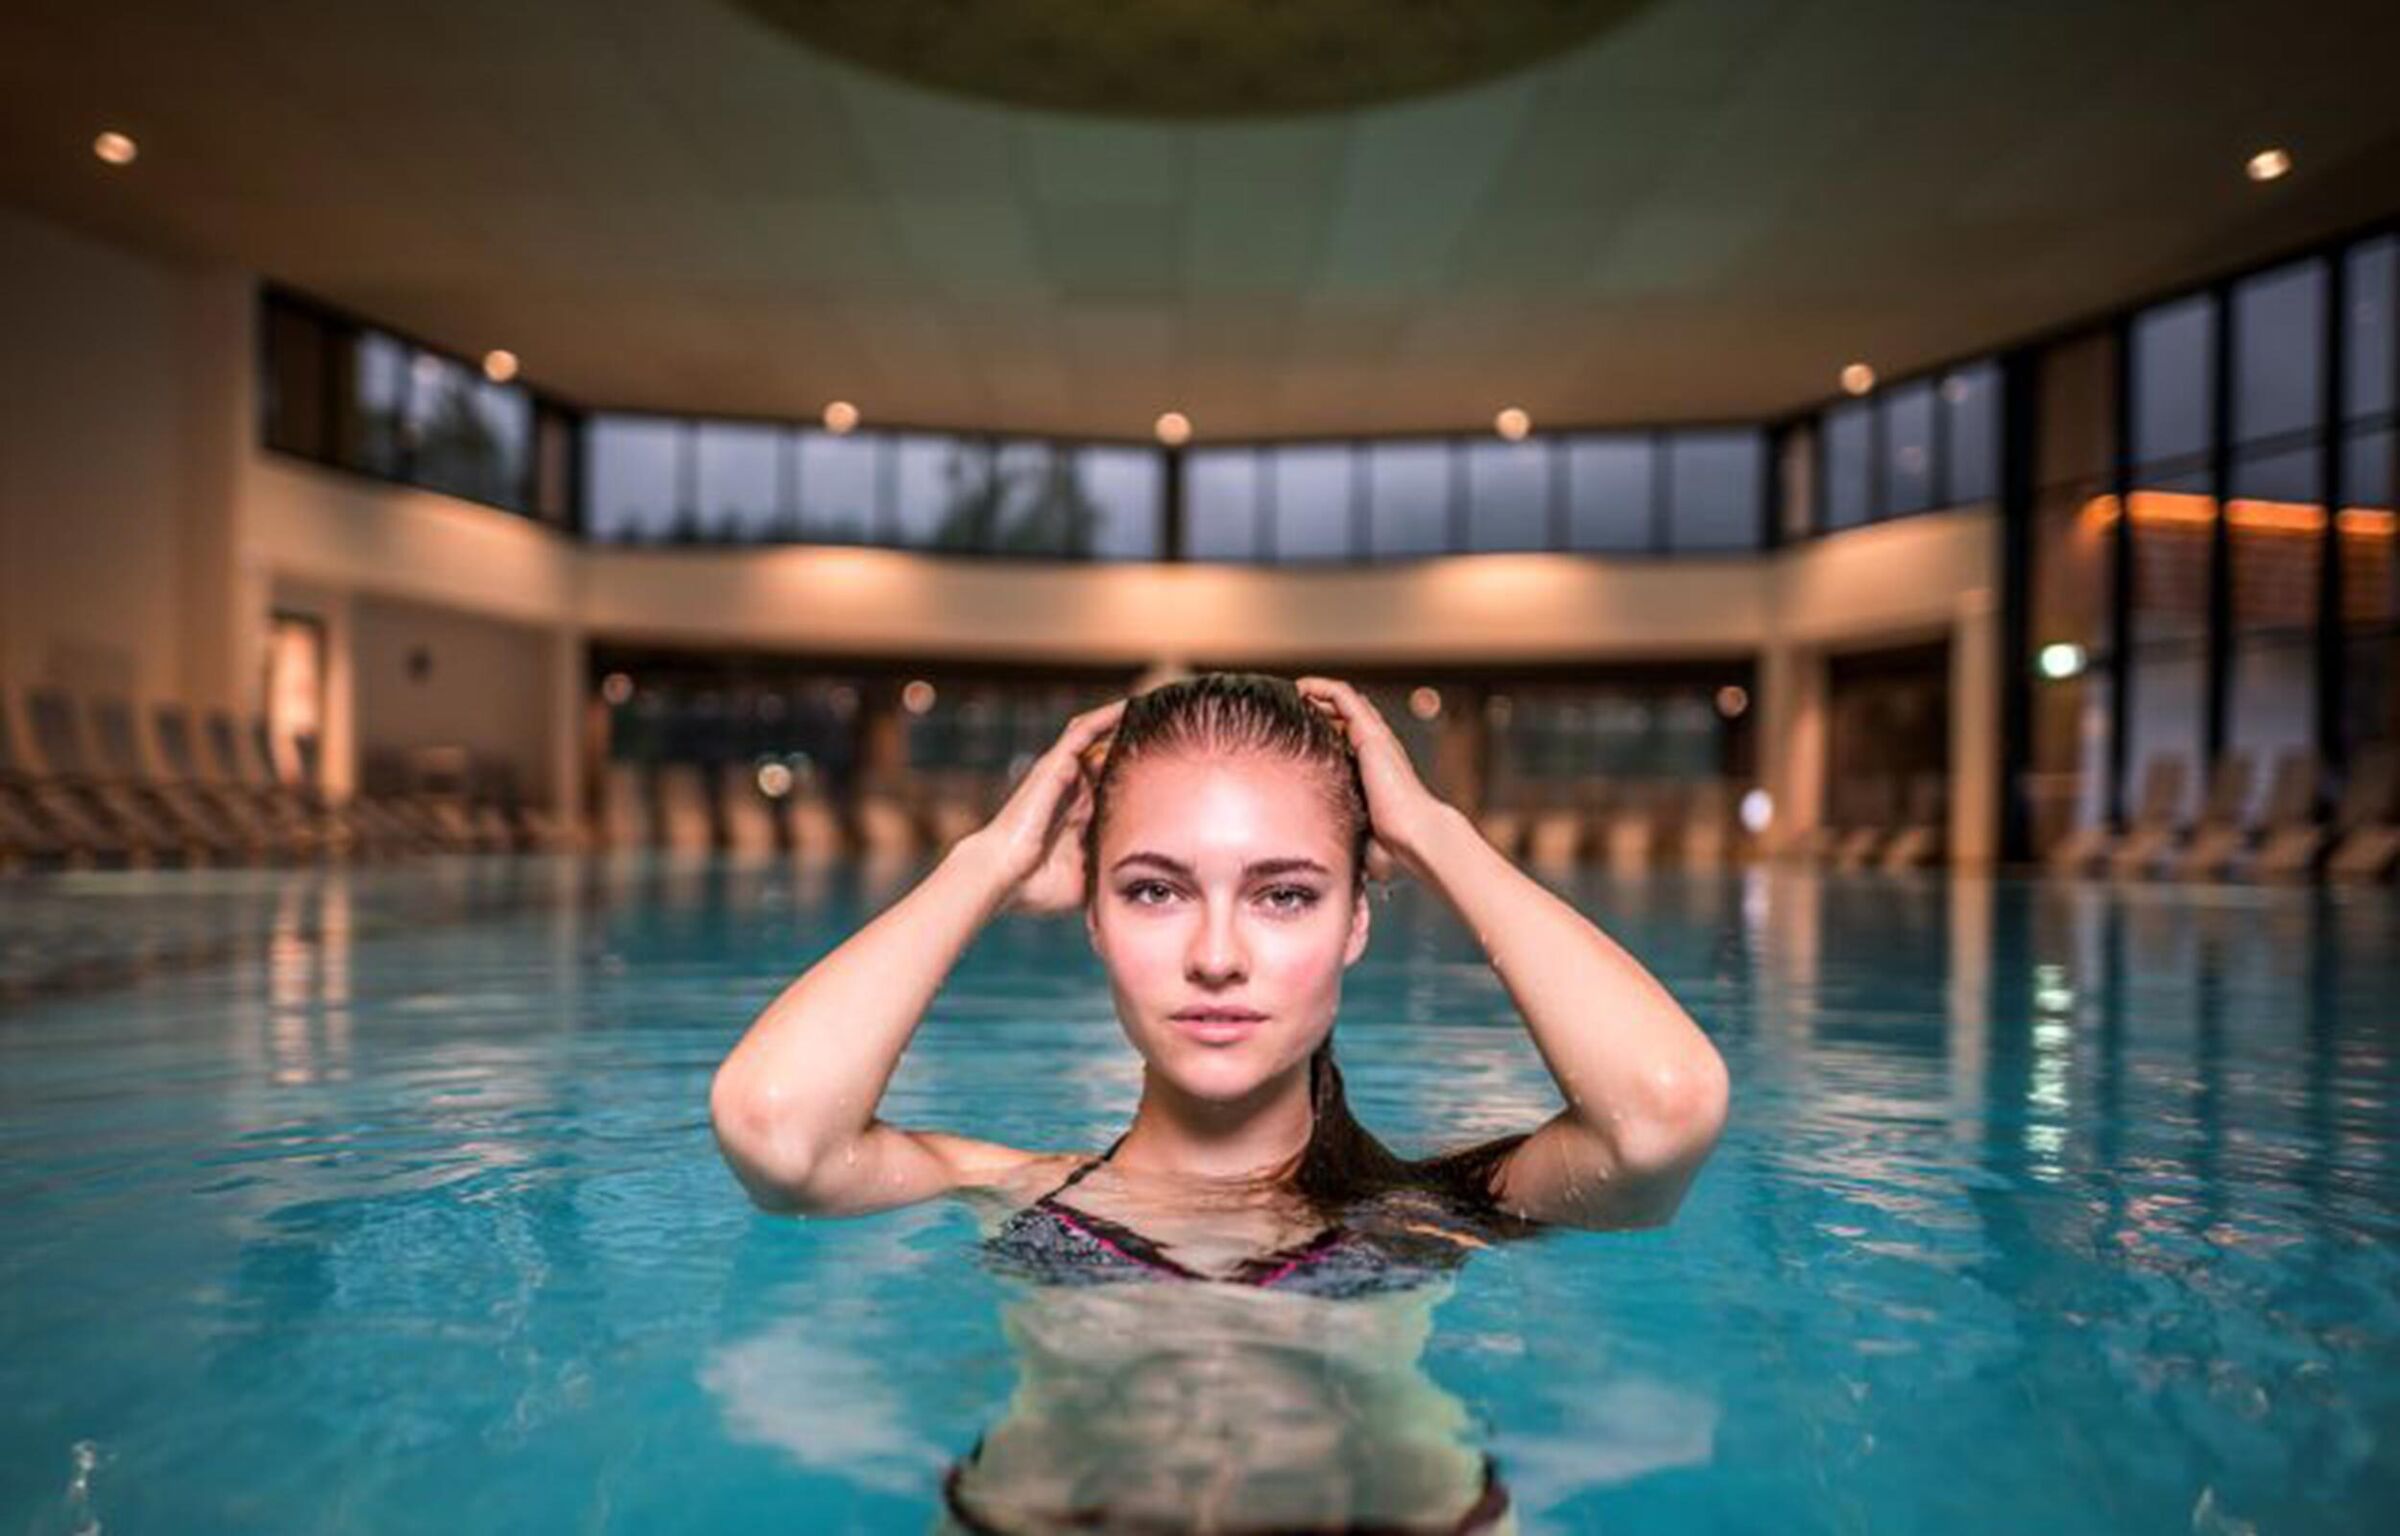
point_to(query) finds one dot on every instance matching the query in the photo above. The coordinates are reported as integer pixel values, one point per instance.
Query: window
(1508, 494)
(1221, 504)
(1849, 464)
(1408, 498)
(740, 482)
(1310, 488)
(1612, 495)
(1908, 477)
(631, 477)
(1971, 435)
(1715, 490)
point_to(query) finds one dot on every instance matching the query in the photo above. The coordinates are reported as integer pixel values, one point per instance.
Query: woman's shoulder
(997, 1178)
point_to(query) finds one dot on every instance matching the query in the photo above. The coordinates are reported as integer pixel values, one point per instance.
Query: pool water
(384, 1200)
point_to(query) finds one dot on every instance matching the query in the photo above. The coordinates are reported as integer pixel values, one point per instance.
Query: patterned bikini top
(1051, 1242)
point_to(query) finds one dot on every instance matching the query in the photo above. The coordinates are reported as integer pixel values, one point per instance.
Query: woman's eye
(1137, 892)
(1291, 898)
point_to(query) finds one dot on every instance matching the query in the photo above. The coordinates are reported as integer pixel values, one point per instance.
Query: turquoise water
(385, 1201)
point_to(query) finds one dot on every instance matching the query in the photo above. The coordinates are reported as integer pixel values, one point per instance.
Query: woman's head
(1225, 869)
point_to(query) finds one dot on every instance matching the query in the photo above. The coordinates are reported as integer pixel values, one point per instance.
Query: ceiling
(1700, 213)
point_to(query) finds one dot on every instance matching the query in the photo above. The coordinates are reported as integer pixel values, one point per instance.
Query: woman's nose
(1216, 955)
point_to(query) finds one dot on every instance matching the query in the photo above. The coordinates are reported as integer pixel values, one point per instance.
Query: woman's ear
(1361, 919)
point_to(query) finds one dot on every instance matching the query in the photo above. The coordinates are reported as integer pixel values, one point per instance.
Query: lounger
(1923, 836)
(177, 755)
(749, 816)
(1870, 819)
(2159, 841)
(884, 829)
(1708, 827)
(1504, 820)
(224, 764)
(58, 736)
(1558, 831)
(816, 827)
(1632, 835)
(2158, 813)
(627, 817)
(2367, 836)
(2223, 843)
(195, 820)
(51, 816)
(687, 823)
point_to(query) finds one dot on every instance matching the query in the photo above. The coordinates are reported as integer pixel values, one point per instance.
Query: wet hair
(1246, 713)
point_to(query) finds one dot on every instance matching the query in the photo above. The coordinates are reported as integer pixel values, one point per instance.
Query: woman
(1218, 835)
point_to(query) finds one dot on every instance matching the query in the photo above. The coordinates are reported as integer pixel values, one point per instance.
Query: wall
(97, 572)
(483, 684)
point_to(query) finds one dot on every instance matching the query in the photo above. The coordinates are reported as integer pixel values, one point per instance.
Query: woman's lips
(1217, 1026)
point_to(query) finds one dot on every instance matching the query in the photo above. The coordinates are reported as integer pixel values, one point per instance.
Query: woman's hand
(1399, 807)
(1036, 840)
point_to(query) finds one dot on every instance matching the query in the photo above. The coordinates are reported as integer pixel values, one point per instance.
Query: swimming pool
(384, 1200)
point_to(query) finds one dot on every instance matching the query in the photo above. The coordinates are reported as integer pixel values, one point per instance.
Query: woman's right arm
(794, 1104)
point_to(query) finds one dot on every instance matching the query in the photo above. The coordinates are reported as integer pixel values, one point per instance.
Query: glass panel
(2368, 363)
(1508, 495)
(1610, 495)
(2174, 352)
(1126, 487)
(372, 437)
(292, 385)
(2073, 540)
(471, 436)
(2370, 573)
(1220, 504)
(630, 472)
(1715, 486)
(1971, 427)
(1408, 497)
(1043, 508)
(2167, 672)
(1849, 439)
(838, 488)
(2171, 536)
(2279, 351)
(1311, 493)
(1908, 449)
(946, 492)
(739, 481)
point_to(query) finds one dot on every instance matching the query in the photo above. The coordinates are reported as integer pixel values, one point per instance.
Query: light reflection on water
(384, 1200)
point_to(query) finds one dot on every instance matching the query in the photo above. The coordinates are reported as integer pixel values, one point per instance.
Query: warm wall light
(500, 365)
(1512, 424)
(2060, 660)
(616, 688)
(840, 417)
(1174, 428)
(2271, 164)
(1857, 379)
(917, 697)
(116, 148)
(1425, 703)
(1732, 701)
(774, 780)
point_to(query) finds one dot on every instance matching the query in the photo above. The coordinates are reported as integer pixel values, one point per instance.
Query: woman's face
(1224, 883)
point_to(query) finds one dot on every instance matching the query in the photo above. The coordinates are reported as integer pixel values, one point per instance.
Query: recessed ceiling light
(840, 416)
(917, 696)
(1425, 703)
(500, 365)
(1858, 378)
(1512, 424)
(1174, 428)
(2271, 164)
(116, 148)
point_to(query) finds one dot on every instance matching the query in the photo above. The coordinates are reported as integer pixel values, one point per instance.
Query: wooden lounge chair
(2226, 841)
(750, 818)
(58, 736)
(2367, 836)
(237, 775)
(626, 810)
(50, 818)
(687, 822)
(1923, 836)
(2157, 842)
(1708, 826)
(196, 823)
(2087, 850)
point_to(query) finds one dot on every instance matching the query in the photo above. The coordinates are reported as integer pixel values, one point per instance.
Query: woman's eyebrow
(1252, 870)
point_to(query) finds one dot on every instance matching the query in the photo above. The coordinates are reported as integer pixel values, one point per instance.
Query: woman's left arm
(1645, 1090)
